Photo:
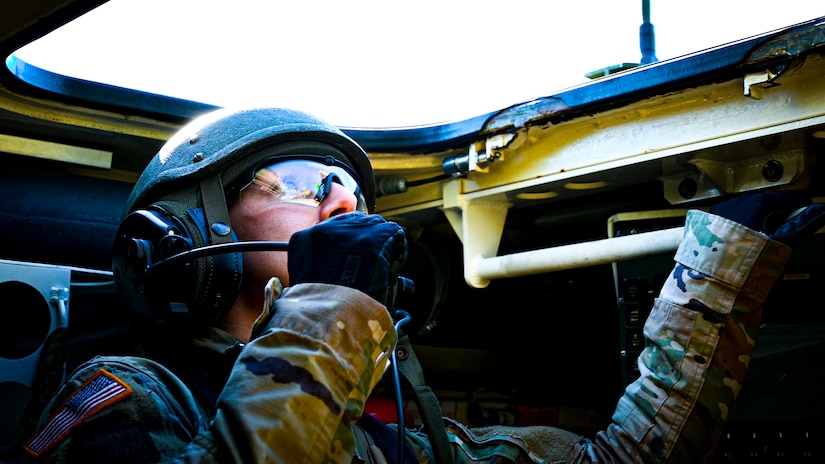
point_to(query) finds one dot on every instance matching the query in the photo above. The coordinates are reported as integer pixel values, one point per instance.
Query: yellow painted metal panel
(55, 151)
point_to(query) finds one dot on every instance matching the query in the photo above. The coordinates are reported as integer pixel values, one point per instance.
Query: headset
(156, 265)
(159, 267)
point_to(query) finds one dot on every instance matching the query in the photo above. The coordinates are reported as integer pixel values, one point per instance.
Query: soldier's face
(277, 221)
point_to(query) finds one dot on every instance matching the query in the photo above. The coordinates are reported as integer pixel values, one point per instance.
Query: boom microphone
(218, 249)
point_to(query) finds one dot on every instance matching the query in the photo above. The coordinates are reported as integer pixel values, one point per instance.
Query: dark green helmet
(231, 141)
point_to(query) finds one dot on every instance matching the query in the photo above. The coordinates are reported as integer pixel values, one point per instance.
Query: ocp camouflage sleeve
(297, 389)
(700, 336)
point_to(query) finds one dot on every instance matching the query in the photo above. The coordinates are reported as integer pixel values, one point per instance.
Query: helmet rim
(224, 138)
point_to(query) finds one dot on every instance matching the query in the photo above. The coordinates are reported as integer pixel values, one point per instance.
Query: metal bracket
(482, 154)
(479, 224)
(756, 83)
(59, 298)
(753, 173)
(479, 157)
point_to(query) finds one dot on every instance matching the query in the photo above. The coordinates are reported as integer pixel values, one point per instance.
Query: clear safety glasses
(297, 181)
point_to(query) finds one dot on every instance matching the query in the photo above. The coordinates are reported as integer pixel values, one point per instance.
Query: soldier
(261, 355)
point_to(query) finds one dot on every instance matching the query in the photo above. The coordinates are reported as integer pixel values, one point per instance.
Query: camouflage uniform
(294, 393)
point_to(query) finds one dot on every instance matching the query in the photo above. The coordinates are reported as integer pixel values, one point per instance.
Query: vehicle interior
(539, 232)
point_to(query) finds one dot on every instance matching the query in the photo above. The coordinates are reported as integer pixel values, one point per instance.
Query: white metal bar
(579, 254)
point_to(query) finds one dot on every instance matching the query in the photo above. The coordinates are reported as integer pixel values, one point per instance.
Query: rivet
(772, 171)
(221, 229)
(687, 188)
(197, 158)
(401, 352)
(193, 139)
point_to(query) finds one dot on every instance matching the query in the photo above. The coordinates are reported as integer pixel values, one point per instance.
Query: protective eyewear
(297, 181)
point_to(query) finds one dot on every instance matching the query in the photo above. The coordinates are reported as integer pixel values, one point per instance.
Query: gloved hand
(788, 216)
(356, 250)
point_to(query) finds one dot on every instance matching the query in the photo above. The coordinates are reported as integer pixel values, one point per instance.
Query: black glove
(361, 251)
(788, 216)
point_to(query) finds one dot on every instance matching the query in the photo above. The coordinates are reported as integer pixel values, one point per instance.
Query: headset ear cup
(178, 290)
(144, 238)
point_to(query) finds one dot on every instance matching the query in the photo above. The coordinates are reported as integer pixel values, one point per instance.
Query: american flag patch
(101, 390)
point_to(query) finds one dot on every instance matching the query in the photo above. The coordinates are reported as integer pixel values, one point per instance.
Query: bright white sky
(382, 63)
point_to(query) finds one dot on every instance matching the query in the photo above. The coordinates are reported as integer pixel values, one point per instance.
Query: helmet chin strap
(216, 211)
(223, 273)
